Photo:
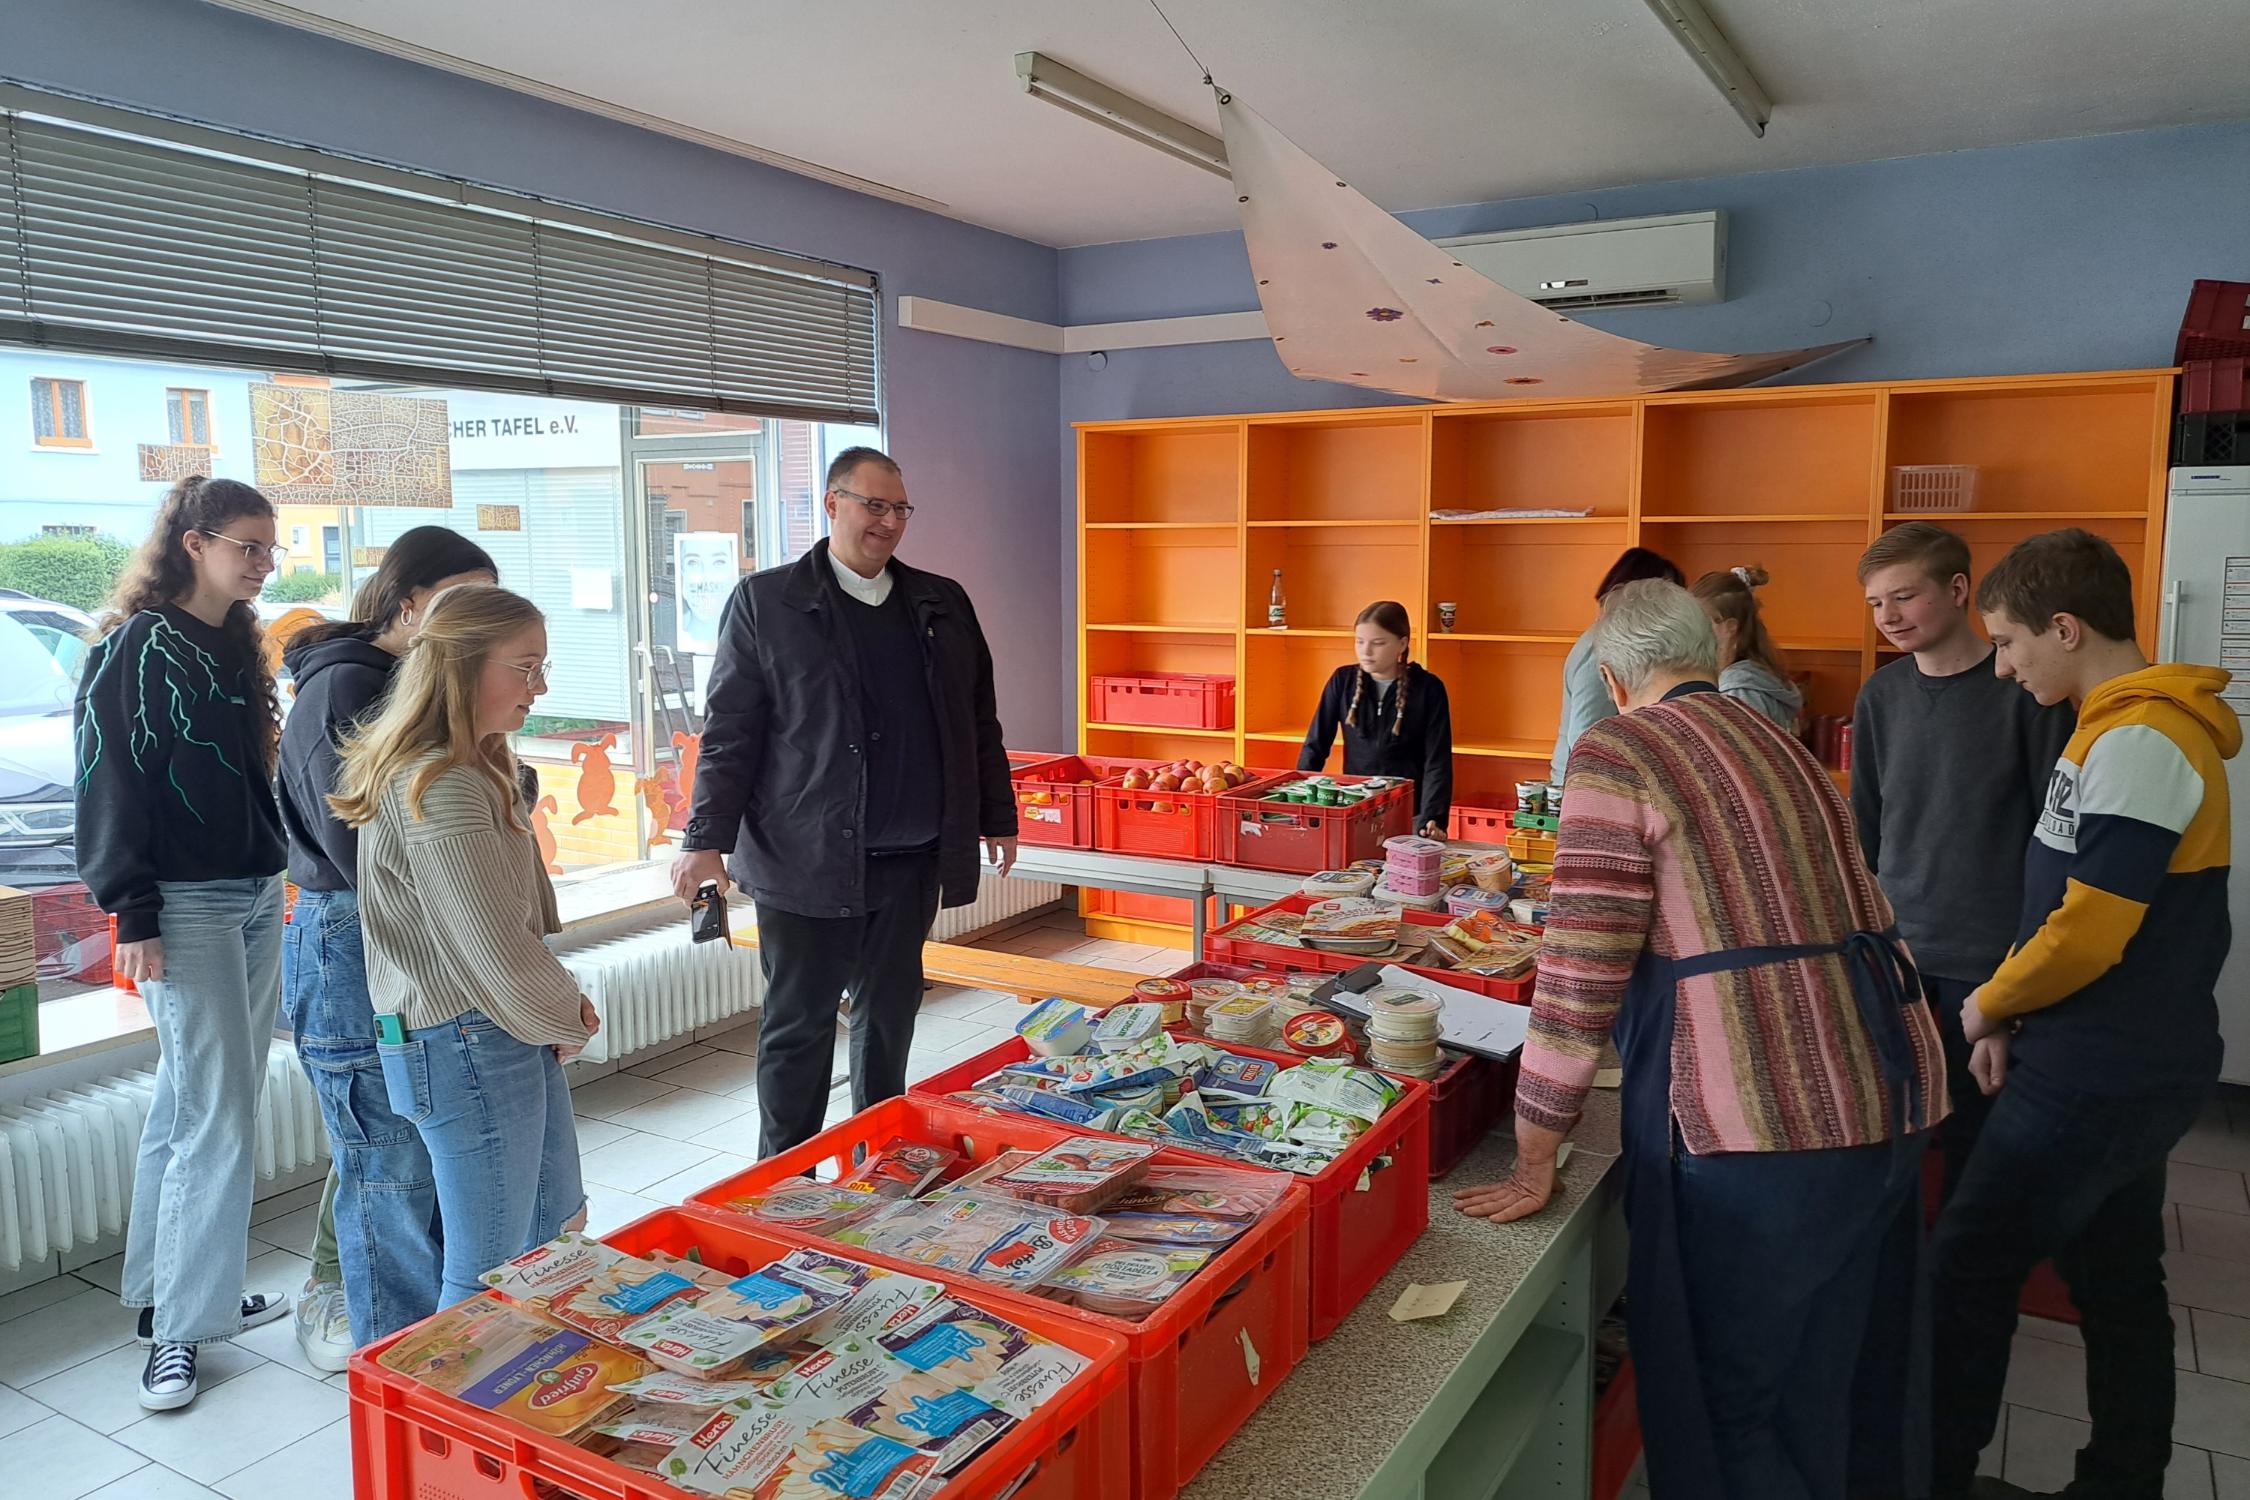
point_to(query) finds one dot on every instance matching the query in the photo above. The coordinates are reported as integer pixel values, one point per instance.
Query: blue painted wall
(2065, 255)
(975, 425)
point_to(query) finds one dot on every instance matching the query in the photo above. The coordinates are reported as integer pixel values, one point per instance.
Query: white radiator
(998, 903)
(67, 1158)
(656, 985)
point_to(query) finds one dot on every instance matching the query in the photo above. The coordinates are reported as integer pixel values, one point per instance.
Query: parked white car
(42, 649)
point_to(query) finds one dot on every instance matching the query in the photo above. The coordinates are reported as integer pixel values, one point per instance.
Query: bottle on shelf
(1277, 608)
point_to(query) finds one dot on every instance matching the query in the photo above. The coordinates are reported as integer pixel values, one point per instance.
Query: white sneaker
(168, 1379)
(324, 1325)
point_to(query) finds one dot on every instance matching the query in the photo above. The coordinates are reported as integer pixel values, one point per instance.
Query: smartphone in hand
(709, 922)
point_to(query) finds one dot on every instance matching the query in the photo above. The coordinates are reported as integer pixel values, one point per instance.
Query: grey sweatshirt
(1948, 776)
(1758, 685)
(1585, 701)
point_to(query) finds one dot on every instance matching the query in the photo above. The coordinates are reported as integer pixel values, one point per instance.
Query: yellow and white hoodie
(2125, 919)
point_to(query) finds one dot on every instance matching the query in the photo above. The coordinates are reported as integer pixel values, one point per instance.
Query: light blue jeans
(188, 1240)
(387, 1242)
(495, 1114)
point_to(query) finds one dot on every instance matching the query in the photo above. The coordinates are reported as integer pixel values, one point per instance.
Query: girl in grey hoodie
(1750, 665)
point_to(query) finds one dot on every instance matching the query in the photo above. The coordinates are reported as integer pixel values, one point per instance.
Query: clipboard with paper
(1468, 1022)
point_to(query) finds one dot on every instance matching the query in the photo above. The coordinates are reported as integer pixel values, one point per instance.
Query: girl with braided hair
(1394, 715)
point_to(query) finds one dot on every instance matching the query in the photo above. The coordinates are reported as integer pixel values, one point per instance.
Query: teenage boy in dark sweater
(1949, 770)
(2099, 1034)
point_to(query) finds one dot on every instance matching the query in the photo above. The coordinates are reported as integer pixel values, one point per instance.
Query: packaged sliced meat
(586, 1285)
(511, 1360)
(1080, 1174)
(801, 1203)
(995, 1238)
(1215, 1192)
(985, 1354)
(900, 1170)
(1123, 1279)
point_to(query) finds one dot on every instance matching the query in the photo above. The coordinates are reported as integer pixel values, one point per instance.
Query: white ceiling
(1417, 102)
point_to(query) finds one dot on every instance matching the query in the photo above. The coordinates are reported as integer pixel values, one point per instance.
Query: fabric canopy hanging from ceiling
(1353, 295)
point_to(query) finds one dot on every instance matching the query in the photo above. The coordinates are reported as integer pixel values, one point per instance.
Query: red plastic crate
(1264, 835)
(1019, 759)
(1481, 825)
(1052, 807)
(1356, 1236)
(1172, 700)
(1467, 1098)
(1162, 825)
(2216, 324)
(1617, 1433)
(410, 1442)
(1223, 945)
(2215, 385)
(1190, 1380)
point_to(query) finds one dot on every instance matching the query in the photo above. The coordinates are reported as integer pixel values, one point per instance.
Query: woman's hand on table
(1524, 1191)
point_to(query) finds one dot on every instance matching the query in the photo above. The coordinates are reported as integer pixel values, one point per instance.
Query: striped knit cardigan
(1695, 826)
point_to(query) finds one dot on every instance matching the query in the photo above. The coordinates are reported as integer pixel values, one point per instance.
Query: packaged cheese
(1056, 1028)
(517, 1363)
(1123, 1026)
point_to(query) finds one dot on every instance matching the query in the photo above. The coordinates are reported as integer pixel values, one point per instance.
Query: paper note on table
(1609, 1078)
(1426, 1301)
(1471, 1022)
(1562, 1156)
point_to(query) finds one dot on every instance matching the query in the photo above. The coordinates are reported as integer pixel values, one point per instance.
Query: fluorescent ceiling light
(1692, 24)
(1090, 99)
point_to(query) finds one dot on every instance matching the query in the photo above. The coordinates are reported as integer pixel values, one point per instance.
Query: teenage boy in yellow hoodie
(2099, 1033)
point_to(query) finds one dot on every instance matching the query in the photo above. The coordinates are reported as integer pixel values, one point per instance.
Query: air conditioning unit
(1650, 262)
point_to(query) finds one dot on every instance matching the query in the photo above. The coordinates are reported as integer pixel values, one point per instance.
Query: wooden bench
(1027, 978)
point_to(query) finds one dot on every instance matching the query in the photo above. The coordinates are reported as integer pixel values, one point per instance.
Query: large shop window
(626, 426)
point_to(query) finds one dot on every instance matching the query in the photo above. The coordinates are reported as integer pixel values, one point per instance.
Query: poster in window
(707, 564)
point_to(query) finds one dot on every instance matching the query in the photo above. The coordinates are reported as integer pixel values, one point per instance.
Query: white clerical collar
(866, 590)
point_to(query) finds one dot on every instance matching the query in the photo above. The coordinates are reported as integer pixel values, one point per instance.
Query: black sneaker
(168, 1379)
(257, 1309)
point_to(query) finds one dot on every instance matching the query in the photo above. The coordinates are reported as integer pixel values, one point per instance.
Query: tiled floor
(2208, 1273)
(660, 1129)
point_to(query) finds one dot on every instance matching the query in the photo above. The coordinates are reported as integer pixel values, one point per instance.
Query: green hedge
(303, 588)
(78, 571)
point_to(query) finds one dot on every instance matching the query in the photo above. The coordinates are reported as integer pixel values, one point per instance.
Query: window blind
(116, 244)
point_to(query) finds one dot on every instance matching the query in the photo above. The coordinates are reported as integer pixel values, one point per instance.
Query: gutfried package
(512, 1361)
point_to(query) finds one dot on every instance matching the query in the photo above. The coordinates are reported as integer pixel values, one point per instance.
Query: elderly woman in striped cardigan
(1711, 908)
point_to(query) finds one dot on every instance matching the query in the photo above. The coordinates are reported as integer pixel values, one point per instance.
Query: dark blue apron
(1675, 1426)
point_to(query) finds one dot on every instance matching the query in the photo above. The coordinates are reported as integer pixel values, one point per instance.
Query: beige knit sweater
(453, 905)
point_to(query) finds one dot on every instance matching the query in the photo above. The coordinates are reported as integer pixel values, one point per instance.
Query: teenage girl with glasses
(179, 839)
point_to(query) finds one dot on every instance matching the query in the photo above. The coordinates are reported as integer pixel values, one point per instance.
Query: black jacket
(1421, 748)
(172, 782)
(338, 683)
(782, 781)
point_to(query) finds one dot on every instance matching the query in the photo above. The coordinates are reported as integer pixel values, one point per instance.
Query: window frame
(176, 400)
(61, 441)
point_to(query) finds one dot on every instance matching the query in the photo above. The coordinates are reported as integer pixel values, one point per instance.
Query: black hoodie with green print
(172, 782)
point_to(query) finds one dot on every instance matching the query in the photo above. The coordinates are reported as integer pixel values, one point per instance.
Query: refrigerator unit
(2206, 619)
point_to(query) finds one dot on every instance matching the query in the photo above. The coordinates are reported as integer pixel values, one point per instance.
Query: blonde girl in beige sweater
(474, 1016)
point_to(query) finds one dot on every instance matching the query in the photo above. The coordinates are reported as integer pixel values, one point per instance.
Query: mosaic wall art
(325, 447)
(165, 463)
(499, 518)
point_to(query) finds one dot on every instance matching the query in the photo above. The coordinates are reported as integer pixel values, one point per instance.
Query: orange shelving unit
(1182, 523)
